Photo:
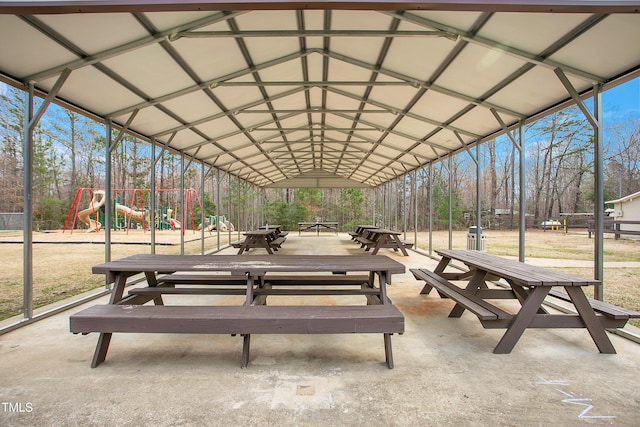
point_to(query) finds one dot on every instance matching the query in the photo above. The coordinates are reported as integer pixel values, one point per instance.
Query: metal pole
(599, 192)
(27, 211)
(450, 205)
(152, 198)
(373, 206)
(202, 223)
(404, 206)
(430, 209)
(238, 216)
(415, 208)
(478, 205)
(229, 206)
(522, 201)
(218, 208)
(107, 193)
(183, 213)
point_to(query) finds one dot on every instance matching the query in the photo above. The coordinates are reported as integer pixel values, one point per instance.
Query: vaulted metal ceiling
(333, 97)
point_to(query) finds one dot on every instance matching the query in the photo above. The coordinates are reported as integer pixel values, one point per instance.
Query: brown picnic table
(268, 239)
(378, 238)
(317, 226)
(530, 285)
(256, 277)
(276, 227)
(360, 230)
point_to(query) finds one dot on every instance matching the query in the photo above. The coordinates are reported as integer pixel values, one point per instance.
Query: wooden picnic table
(378, 238)
(310, 226)
(276, 227)
(530, 285)
(267, 239)
(310, 275)
(360, 230)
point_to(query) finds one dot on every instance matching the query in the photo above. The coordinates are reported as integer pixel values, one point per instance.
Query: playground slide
(224, 227)
(84, 215)
(129, 213)
(96, 203)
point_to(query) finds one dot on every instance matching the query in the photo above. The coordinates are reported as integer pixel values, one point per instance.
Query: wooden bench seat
(406, 244)
(201, 279)
(165, 290)
(481, 308)
(241, 320)
(277, 242)
(335, 279)
(601, 307)
(237, 244)
(364, 242)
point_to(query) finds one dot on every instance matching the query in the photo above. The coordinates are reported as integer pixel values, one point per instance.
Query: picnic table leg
(264, 243)
(521, 294)
(152, 282)
(522, 320)
(444, 261)
(590, 320)
(245, 350)
(476, 282)
(377, 242)
(101, 349)
(388, 351)
(396, 242)
(100, 354)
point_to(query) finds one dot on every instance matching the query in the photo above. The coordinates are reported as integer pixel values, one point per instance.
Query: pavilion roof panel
(271, 94)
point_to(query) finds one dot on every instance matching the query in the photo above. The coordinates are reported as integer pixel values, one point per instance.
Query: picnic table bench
(253, 277)
(530, 285)
(221, 284)
(378, 238)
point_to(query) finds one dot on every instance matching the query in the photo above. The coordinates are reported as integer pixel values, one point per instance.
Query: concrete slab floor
(445, 372)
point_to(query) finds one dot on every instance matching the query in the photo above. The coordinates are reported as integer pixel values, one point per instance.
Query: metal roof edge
(110, 6)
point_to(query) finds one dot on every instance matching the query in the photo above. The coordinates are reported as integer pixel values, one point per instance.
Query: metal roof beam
(409, 114)
(426, 85)
(495, 45)
(313, 33)
(211, 83)
(131, 46)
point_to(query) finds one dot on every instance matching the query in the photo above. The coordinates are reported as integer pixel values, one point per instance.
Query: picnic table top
(384, 231)
(252, 264)
(317, 222)
(521, 273)
(260, 232)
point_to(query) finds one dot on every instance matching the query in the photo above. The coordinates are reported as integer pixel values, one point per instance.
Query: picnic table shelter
(340, 94)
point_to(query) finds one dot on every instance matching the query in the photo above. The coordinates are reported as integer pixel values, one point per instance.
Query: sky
(623, 99)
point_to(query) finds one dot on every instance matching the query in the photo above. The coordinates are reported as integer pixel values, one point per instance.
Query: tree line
(69, 155)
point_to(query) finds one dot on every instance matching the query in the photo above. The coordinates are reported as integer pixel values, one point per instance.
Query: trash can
(472, 239)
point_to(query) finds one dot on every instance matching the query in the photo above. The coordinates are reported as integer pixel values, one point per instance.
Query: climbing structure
(123, 214)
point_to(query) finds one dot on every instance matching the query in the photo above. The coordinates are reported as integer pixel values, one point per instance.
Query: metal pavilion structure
(317, 94)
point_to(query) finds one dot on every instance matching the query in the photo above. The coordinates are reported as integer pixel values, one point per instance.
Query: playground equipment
(173, 223)
(222, 224)
(97, 201)
(163, 217)
(90, 216)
